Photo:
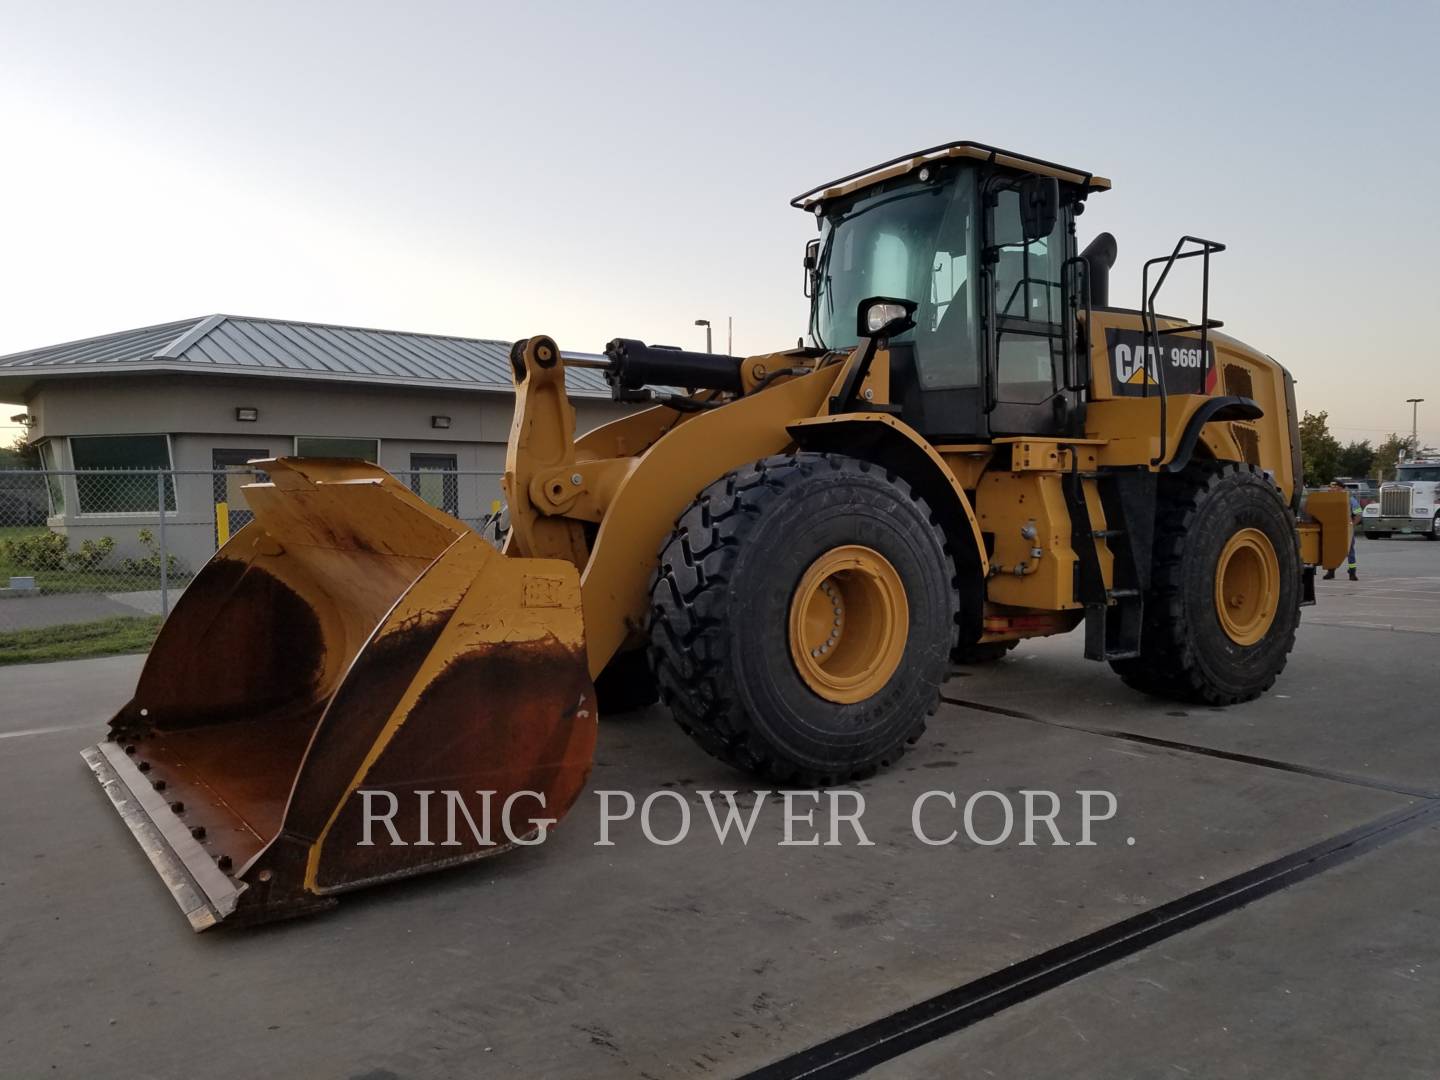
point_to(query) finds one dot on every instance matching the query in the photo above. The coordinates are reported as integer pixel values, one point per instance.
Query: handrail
(1151, 330)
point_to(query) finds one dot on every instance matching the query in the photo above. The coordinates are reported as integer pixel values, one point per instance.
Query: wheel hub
(849, 621)
(1247, 586)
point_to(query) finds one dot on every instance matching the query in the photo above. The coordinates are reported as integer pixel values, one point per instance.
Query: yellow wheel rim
(849, 621)
(1247, 586)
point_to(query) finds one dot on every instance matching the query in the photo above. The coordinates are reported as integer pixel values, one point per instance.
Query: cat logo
(1131, 367)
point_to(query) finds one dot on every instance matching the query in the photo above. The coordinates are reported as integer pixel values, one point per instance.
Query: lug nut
(144, 766)
(159, 785)
(178, 806)
(223, 862)
(198, 832)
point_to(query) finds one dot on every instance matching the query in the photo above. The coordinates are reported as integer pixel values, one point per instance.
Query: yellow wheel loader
(975, 446)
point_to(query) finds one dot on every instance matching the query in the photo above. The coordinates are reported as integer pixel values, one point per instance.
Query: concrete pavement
(701, 959)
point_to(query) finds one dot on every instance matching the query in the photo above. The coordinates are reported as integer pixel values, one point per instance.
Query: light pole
(706, 324)
(1414, 404)
(729, 335)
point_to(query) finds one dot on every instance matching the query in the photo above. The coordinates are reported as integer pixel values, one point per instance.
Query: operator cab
(982, 240)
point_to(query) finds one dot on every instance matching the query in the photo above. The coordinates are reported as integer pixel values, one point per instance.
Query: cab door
(1026, 320)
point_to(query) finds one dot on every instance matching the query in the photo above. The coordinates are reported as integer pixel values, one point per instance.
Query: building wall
(198, 413)
(201, 404)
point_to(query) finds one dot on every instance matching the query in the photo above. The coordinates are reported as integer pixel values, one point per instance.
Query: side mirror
(884, 317)
(1039, 206)
(812, 264)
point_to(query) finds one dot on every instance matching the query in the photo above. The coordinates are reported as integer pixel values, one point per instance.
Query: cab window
(914, 241)
(1027, 305)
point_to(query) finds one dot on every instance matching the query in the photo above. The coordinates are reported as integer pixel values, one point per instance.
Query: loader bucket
(335, 692)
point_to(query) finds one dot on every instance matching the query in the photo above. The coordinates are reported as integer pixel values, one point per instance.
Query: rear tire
(1218, 643)
(729, 636)
(1434, 533)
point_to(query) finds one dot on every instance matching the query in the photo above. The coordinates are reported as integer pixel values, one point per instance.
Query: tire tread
(690, 636)
(1169, 666)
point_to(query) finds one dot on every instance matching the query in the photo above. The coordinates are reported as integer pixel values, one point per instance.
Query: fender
(1214, 409)
(883, 439)
(887, 441)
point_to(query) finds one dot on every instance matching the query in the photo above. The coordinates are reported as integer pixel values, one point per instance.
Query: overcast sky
(590, 170)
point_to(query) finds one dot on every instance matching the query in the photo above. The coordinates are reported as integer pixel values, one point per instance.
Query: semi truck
(1408, 505)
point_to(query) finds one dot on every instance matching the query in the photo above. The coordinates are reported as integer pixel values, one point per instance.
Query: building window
(132, 461)
(323, 446)
(432, 477)
(53, 485)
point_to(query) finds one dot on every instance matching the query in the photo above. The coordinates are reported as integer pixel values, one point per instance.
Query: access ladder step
(1112, 631)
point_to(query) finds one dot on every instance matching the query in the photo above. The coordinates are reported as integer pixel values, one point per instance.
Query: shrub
(91, 554)
(41, 551)
(51, 551)
(149, 564)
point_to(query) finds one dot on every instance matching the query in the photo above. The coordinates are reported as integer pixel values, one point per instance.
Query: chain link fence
(82, 545)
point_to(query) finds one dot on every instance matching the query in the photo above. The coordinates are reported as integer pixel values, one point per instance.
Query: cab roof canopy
(978, 151)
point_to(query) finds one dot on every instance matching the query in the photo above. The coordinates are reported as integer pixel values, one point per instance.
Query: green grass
(76, 641)
(98, 579)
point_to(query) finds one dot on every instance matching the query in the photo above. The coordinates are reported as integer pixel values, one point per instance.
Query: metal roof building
(279, 348)
(203, 396)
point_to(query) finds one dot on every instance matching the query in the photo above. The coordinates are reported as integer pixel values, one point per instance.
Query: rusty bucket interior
(351, 639)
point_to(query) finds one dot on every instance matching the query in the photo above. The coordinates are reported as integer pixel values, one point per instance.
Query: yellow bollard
(222, 523)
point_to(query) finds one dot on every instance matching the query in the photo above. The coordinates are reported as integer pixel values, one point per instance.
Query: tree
(1319, 449)
(1356, 458)
(20, 454)
(1387, 454)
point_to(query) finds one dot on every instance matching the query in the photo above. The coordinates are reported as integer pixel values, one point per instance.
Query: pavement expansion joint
(1205, 751)
(867, 1046)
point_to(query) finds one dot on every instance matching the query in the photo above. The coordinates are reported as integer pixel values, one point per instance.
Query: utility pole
(729, 335)
(1414, 404)
(706, 324)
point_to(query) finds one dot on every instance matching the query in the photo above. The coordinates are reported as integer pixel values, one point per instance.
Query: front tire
(1221, 614)
(802, 617)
